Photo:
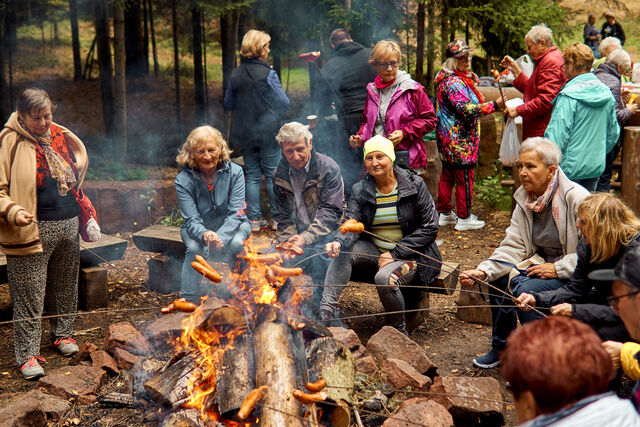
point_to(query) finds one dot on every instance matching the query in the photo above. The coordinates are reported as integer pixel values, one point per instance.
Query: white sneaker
(274, 225)
(258, 224)
(470, 223)
(447, 219)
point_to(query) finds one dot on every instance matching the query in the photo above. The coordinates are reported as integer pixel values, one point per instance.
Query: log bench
(92, 283)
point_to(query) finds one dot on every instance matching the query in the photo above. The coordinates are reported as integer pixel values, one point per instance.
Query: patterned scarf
(538, 204)
(60, 170)
(469, 80)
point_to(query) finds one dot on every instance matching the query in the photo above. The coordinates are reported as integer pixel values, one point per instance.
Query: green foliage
(172, 219)
(108, 170)
(490, 191)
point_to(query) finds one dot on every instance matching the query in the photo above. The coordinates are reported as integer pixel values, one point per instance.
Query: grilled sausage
(317, 386)
(250, 401)
(352, 226)
(308, 398)
(209, 273)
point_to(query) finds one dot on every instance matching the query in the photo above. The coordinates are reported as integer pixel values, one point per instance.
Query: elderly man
(543, 85)
(309, 196)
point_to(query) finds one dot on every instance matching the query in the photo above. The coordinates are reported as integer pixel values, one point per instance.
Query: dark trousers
(463, 180)
(604, 182)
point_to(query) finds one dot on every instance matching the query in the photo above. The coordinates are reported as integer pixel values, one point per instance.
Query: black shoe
(487, 361)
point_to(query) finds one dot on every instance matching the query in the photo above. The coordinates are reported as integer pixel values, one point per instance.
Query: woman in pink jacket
(397, 108)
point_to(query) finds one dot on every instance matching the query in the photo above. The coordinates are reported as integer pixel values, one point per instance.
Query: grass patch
(108, 170)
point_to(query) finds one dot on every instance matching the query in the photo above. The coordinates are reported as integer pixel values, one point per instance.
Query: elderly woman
(611, 28)
(396, 207)
(592, 35)
(460, 106)
(542, 232)
(397, 108)
(618, 64)
(583, 123)
(41, 163)
(609, 229)
(606, 46)
(210, 191)
(558, 373)
(256, 95)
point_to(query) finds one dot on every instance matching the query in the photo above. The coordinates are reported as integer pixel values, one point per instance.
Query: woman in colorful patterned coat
(460, 106)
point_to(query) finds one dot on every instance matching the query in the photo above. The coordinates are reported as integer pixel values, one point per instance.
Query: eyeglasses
(386, 65)
(613, 301)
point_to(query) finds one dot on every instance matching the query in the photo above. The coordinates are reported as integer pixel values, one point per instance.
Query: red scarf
(380, 84)
(469, 81)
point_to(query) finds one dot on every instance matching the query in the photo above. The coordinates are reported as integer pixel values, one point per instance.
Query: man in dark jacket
(612, 29)
(344, 83)
(309, 198)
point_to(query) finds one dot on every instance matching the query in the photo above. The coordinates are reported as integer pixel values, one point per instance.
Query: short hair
(591, 16)
(547, 150)
(450, 64)
(609, 14)
(292, 132)
(558, 359)
(540, 32)
(197, 137)
(580, 55)
(619, 57)
(254, 43)
(339, 36)
(33, 100)
(607, 45)
(608, 225)
(382, 48)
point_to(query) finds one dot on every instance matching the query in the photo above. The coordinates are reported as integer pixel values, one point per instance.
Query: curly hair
(197, 137)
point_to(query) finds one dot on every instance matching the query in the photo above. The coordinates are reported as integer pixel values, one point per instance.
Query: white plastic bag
(510, 145)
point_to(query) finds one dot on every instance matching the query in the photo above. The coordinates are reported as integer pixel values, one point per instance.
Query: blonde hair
(382, 48)
(450, 64)
(580, 55)
(196, 138)
(608, 224)
(254, 43)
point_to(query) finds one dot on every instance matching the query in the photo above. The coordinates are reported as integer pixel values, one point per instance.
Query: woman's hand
(333, 249)
(613, 348)
(384, 259)
(212, 240)
(500, 101)
(543, 271)
(510, 64)
(563, 309)
(396, 137)
(632, 108)
(526, 301)
(297, 240)
(23, 218)
(625, 95)
(355, 141)
(469, 277)
(511, 112)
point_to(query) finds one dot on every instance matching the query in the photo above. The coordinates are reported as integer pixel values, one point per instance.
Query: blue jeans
(260, 160)
(505, 318)
(190, 288)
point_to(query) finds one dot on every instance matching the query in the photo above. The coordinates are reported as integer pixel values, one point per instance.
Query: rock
(22, 412)
(388, 342)
(373, 420)
(53, 406)
(376, 402)
(366, 365)
(387, 389)
(359, 352)
(101, 359)
(422, 412)
(470, 400)
(124, 359)
(83, 354)
(74, 382)
(348, 337)
(123, 335)
(401, 374)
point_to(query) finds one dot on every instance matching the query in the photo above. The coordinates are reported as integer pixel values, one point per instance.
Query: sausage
(289, 247)
(263, 258)
(352, 226)
(270, 276)
(309, 56)
(200, 259)
(250, 401)
(317, 386)
(168, 309)
(285, 272)
(184, 306)
(307, 398)
(210, 274)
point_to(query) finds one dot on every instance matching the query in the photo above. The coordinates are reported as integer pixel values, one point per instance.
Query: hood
(347, 49)
(586, 88)
(403, 81)
(15, 125)
(607, 69)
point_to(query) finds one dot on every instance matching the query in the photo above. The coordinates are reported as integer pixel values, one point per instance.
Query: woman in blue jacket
(210, 192)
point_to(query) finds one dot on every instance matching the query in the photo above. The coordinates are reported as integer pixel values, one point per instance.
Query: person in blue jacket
(210, 192)
(583, 122)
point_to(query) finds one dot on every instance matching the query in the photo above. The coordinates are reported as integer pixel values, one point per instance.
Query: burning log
(234, 378)
(171, 386)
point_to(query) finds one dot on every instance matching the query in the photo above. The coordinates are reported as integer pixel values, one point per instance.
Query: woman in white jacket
(543, 225)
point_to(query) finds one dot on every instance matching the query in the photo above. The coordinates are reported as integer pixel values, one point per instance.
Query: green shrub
(173, 219)
(490, 191)
(108, 170)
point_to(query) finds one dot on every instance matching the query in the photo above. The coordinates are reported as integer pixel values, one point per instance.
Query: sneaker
(258, 224)
(274, 225)
(488, 361)
(66, 346)
(447, 219)
(470, 223)
(32, 368)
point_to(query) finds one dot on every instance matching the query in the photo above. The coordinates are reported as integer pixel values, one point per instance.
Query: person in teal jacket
(583, 122)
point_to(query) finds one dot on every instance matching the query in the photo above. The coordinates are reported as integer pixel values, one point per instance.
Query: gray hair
(619, 57)
(609, 44)
(33, 100)
(450, 64)
(292, 132)
(540, 32)
(547, 150)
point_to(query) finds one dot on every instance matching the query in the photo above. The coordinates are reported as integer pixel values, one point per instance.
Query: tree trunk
(444, 29)
(198, 79)
(120, 83)
(104, 59)
(176, 62)
(156, 66)
(134, 46)
(228, 40)
(171, 386)
(75, 40)
(204, 67)
(4, 110)
(235, 378)
(10, 42)
(56, 36)
(420, 42)
(431, 45)
(145, 37)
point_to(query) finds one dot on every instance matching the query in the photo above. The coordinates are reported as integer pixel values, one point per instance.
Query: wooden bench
(92, 284)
